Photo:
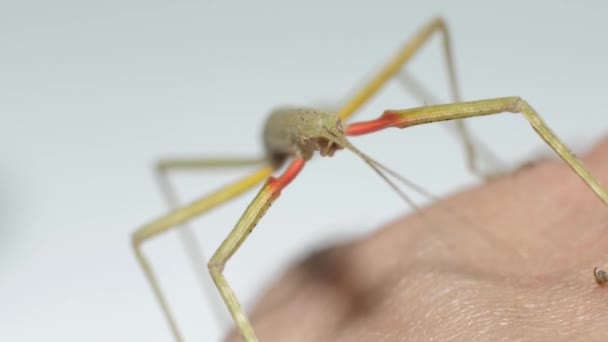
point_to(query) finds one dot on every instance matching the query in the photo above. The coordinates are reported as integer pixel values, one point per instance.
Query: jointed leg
(193, 250)
(474, 151)
(396, 64)
(241, 231)
(413, 86)
(165, 166)
(392, 67)
(182, 215)
(456, 96)
(422, 115)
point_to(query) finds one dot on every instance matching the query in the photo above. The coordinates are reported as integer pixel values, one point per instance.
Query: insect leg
(476, 153)
(391, 68)
(254, 212)
(395, 67)
(181, 215)
(422, 115)
(163, 169)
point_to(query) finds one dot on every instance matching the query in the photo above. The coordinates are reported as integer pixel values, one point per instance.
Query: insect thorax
(299, 132)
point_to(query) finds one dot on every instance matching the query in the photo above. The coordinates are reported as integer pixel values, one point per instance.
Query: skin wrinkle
(532, 280)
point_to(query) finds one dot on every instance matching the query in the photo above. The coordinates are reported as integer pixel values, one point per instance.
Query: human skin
(510, 260)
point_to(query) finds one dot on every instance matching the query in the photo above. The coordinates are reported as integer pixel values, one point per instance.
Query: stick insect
(293, 135)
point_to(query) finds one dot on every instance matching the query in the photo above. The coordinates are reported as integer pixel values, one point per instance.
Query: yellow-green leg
(392, 68)
(181, 215)
(395, 67)
(422, 115)
(163, 170)
(237, 236)
(475, 152)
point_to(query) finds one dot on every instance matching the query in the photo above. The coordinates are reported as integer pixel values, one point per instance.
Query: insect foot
(601, 277)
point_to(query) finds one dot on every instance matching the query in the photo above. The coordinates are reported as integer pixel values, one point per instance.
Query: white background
(92, 92)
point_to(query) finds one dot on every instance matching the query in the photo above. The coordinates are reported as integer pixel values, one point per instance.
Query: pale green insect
(294, 135)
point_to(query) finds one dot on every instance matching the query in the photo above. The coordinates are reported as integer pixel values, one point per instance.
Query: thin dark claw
(601, 277)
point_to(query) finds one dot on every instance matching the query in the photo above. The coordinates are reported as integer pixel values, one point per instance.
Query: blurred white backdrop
(92, 93)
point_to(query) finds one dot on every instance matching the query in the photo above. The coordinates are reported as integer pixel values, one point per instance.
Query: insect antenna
(384, 172)
(377, 167)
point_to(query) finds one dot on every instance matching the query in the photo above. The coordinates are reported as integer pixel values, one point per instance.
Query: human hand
(510, 260)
